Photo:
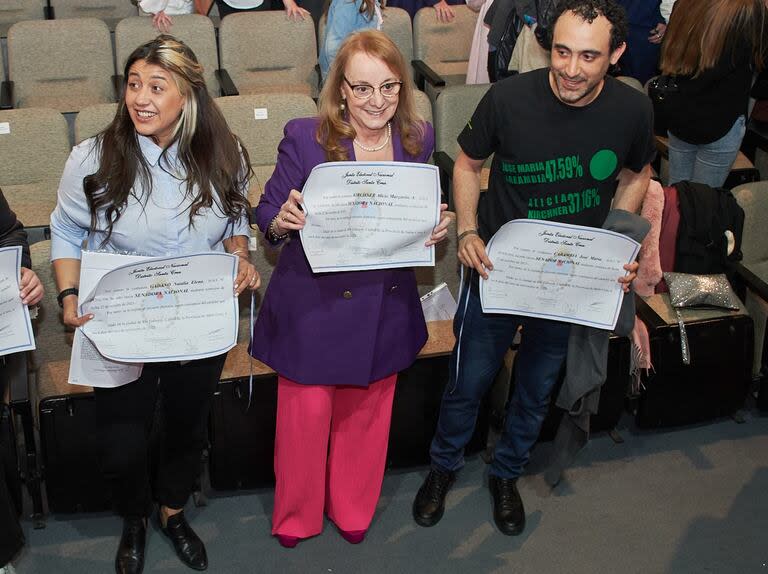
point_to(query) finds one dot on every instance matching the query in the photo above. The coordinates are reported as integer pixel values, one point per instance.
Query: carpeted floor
(689, 500)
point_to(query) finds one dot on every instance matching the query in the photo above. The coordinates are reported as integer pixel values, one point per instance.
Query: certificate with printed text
(165, 309)
(557, 271)
(370, 215)
(15, 327)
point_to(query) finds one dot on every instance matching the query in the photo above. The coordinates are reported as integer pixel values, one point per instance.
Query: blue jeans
(705, 163)
(481, 347)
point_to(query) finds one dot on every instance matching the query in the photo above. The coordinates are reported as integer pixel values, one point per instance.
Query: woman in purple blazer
(337, 340)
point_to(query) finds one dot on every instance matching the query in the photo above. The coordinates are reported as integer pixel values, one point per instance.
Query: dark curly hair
(589, 10)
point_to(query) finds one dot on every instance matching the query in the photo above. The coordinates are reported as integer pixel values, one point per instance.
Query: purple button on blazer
(346, 328)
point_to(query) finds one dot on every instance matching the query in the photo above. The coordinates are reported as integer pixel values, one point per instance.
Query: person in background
(344, 18)
(338, 340)
(166, 178)
(646, 31)
(12, 538)
(443, 10)
(713, 48)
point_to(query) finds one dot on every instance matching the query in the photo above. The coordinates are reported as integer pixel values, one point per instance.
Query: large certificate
(15, 326)
(370, 215)
(557, 271)
(86, 365)
(165, 309)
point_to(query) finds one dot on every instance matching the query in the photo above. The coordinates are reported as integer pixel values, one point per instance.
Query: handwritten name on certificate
(15, 326)
(557, 271)
(370, 215)
(166, 309)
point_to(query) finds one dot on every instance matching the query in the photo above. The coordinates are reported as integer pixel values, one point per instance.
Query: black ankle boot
(189, 548)
(429, 504)
(508, 511)
(130, 553)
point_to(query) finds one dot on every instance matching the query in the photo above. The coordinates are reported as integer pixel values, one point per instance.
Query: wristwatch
(66, 293)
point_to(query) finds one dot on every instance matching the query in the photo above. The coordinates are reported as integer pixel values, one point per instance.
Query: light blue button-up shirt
(155, 223)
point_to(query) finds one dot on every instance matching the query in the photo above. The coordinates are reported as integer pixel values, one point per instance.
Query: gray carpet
(689, 500)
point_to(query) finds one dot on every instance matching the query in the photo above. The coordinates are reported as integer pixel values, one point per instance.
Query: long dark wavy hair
(216, 163)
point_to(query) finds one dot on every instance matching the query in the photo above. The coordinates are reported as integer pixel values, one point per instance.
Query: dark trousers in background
(11, 535)
(126, 415)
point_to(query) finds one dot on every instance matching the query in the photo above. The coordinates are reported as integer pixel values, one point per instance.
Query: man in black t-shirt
(567, 141)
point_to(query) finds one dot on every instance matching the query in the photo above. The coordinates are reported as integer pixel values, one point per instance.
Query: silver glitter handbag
(688, 290)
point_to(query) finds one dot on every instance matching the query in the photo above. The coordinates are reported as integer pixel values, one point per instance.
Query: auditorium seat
(60, 64)
(264, 52)
(631, 82)
(752, 271)
(441, 50)
(92, 120)
(34, 148)
(258, 120)
(109, 11)
(6, 88)
(194, 30)
(12, 11)
(453, 110)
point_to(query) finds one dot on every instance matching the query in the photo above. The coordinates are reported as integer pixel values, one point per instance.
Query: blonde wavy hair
(334, 126)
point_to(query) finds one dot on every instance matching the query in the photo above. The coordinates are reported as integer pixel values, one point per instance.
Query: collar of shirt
(152, 151)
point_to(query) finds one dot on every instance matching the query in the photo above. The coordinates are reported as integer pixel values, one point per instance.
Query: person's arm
(70, 222)
(11, 234)
(278, 211)
(445, 13)
(247, 276)
(631, 189)
(12, 231)
(629, 197)
(466, 192)
(294, 11)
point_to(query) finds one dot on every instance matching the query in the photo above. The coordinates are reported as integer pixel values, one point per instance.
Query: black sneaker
(508, 511)
(429, 504)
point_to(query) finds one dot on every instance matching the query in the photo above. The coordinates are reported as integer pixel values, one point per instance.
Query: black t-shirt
(554, 161)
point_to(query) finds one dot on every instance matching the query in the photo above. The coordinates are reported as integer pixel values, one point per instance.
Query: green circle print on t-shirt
(603, 164)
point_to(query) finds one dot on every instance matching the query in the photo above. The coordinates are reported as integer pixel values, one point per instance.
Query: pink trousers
(330, 453)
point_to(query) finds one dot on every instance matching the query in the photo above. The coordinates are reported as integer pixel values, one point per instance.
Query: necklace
(377, 148)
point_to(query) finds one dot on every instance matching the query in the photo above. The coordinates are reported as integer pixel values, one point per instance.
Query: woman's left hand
(31, 288)
(440, 232)
(626, 280)
(247, 276)
(162, 22)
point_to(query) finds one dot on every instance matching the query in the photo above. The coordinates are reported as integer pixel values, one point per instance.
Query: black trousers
(126, 415)
(11, 535)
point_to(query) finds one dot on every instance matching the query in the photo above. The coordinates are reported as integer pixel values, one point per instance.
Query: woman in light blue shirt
(344, 18)
(167, 177)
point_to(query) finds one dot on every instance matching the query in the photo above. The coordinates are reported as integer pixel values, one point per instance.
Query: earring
(343, 105)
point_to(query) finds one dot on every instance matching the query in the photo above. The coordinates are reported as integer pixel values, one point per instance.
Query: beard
(583, 91)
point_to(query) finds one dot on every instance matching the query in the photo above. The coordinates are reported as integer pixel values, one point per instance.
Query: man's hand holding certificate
(375, 215)
(557, 271)
(164, 309)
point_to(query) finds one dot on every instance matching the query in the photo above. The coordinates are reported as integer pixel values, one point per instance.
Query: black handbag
(503, 53)
(660, 90)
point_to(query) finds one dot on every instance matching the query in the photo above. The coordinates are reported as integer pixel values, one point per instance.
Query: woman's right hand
(70, 317)
(291, 216)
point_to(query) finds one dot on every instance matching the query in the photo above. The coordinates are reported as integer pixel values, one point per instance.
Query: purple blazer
(346, 328)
